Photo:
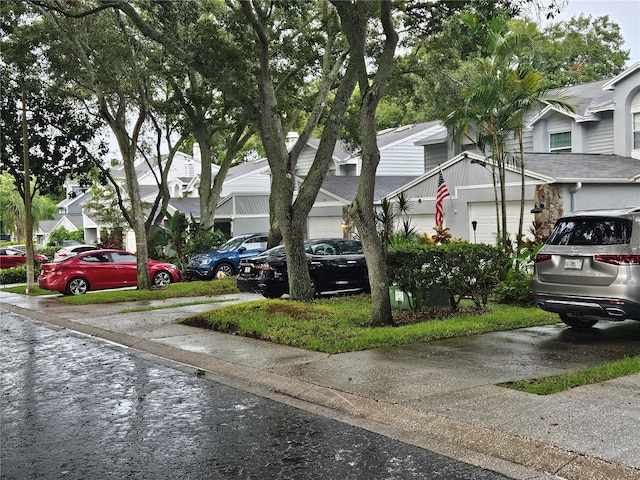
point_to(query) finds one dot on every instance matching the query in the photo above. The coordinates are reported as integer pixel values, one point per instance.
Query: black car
(335, 265)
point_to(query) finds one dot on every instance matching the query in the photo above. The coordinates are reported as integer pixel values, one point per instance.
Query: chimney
(196, 152)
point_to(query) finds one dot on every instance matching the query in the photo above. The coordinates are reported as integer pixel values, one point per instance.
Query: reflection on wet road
(73, 407)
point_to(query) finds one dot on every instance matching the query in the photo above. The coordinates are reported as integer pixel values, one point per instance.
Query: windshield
(273, 252)
(231, 244)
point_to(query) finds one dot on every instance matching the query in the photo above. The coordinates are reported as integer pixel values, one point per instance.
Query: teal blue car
(225, 261)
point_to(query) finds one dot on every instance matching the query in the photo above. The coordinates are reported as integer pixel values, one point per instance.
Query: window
(591, 231)
(256, 243)
(560, 142)
(351, 247)
(636, 131)
(123, 257)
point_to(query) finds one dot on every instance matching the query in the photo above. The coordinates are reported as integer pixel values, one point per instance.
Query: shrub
(515, 289)
(17, 274)
(461, 269)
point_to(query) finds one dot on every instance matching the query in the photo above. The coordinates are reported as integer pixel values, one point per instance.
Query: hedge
(460, 269)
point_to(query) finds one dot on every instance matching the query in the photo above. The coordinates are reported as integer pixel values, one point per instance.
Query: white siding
(559, 123)
(305, 160)
(600, 136)
(401, 160)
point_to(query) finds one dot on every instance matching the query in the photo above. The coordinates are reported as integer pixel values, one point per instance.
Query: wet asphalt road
(76, 407)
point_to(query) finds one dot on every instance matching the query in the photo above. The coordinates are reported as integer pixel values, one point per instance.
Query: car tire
(161, 278)
(77, 286)
(577, 322)
(225, 268)
(314, 288)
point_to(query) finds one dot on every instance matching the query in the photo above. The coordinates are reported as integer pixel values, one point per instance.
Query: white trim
(610, 84)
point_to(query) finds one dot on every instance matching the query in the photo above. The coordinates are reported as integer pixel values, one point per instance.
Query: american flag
(441, 194)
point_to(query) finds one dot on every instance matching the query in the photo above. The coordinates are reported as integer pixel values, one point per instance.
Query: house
(582, 160)
(586, 159)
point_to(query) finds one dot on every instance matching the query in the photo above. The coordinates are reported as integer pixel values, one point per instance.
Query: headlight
(204, 262)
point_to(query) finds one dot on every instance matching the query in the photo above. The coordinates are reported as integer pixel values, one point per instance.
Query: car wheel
(226, 268)
(577, 322)
(314, 288)
(161, 278)
(77, 286)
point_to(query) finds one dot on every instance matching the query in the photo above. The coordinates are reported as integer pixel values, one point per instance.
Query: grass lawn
(342, 324)
(595, 374)
(174, 290)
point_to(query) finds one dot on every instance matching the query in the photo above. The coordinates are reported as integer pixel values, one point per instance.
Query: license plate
(573, 263)
(247, 269)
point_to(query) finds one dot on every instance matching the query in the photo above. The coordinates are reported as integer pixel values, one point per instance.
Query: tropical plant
(58, 235)
(502, 90)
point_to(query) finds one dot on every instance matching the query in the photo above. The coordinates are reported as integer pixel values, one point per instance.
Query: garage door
(485, 214)
(323, 227)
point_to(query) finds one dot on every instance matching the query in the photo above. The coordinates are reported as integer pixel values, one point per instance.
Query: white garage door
(485, 214)
(322, 227)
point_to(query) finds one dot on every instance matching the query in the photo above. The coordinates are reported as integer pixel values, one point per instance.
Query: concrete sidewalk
(441, 396)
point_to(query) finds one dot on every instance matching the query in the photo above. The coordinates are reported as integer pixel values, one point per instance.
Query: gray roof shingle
(582, 166)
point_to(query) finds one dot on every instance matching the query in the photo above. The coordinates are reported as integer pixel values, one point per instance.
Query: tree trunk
(28, 214)
(137, 219)
(522, 191)
(354, 18)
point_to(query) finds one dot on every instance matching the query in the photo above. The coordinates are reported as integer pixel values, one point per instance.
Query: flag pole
(455, 212)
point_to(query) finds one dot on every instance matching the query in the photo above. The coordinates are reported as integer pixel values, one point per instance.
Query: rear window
(591, 231)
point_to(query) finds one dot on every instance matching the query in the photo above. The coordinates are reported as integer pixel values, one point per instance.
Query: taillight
(542, 257)
(618, 259)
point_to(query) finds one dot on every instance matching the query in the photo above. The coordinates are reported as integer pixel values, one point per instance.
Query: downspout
(573, 191)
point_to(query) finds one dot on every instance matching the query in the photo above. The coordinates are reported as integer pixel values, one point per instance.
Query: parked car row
(15, 255)
(588, 270)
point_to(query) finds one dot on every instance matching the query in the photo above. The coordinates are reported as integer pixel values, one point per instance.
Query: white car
(72, 250)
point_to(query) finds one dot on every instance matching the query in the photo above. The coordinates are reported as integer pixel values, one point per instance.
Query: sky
(626, 13)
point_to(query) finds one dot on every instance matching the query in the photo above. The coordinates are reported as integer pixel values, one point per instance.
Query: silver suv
(589, 268)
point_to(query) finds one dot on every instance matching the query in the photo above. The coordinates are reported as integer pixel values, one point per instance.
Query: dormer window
(189, 168)
(560, 142)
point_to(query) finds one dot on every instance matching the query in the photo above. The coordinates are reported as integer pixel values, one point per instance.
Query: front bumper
(268, 288)
(197, 273)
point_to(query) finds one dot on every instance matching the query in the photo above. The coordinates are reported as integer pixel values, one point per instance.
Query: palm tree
(496, 100)
(487, 107)
(528, 95)
(12, 214)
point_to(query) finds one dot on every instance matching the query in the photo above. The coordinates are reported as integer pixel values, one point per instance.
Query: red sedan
(102, 269)
(11, 257)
